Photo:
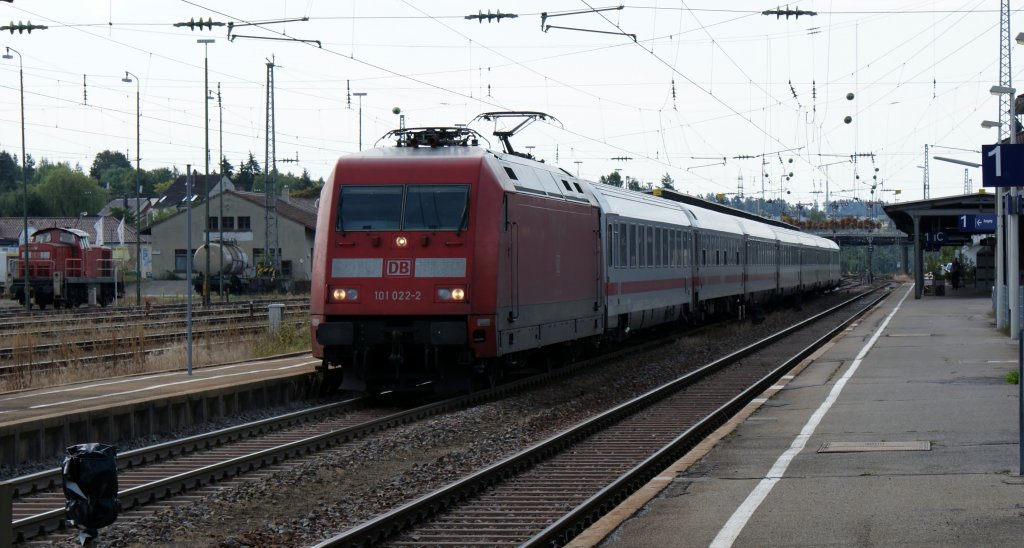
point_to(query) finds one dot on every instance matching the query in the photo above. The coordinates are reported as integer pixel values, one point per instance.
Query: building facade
(243, 224)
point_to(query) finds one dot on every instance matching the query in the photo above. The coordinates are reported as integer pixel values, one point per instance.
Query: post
(1020, 404)
(188, 265)
(360, 95)
(24, 179)
(138, 187)
(275, 314)
(6, 514)
(220, 220)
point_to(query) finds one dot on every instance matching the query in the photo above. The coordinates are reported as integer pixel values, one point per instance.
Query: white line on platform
(732, 528)
(77, 387)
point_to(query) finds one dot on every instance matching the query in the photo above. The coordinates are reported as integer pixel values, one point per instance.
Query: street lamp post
(138, 209)
(360, 95)
(206, 134)
(24, 179)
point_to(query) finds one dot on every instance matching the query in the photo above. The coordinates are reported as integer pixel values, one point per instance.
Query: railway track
(84, 338)
(174, 469)
(551, 492)
(44, 321)
(116, 341)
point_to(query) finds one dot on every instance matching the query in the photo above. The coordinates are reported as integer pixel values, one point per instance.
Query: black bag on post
(90, 485)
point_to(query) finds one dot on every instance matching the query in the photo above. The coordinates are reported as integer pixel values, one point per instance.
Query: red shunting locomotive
(64, 270)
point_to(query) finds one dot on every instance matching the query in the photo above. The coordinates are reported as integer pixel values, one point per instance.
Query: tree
(10, 172)
(247, 173)
(633, 184)
(118, 180)
(106, 160)
(121, 213)
(67, 193)
(226, 168)
(154, 177)
(612, 178)
(667, 182)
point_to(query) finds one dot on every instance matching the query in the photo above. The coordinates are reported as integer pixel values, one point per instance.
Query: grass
(244, 343)
(286, 339)
(1013, 377)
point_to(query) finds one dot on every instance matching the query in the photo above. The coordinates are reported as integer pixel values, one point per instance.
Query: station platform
(901, 432)
(37, 425)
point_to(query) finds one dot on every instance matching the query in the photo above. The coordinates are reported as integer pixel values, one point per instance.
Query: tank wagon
(438, 260)
(64, 270)
(230, 262)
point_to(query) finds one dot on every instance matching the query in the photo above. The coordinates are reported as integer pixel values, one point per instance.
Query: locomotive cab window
(370, 208)
(403, 207)
(436, 207)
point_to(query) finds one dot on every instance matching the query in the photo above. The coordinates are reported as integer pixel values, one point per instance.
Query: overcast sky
(704, 82)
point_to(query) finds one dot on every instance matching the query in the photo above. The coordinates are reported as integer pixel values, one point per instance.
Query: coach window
(623, 247)
(650, 246)
(657, 246)
(632, 246)
(641, 242)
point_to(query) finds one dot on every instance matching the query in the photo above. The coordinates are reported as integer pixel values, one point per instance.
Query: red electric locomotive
(436, 260)
(64, 269)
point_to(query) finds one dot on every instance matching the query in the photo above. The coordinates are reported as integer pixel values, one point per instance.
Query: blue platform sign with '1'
(1002, 165)
(984, 222)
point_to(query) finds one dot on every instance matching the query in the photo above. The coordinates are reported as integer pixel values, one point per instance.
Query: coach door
(513, 263)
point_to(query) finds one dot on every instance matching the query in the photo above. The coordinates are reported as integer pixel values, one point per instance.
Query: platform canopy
(951, 220)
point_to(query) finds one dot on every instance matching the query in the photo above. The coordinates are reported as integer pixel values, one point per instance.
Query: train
(65, 269)
(438, 261)
(230, 262)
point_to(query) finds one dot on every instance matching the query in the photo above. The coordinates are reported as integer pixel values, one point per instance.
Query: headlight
(339, 294)
(451, 294)
(401, 241)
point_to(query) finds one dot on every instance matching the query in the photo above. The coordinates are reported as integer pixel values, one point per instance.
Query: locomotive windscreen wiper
(465, 216)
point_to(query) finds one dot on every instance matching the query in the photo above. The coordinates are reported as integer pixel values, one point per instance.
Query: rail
(387, 526)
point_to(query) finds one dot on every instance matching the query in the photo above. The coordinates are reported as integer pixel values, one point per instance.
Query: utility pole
(925, 192)
(269, 172)
(206, 151)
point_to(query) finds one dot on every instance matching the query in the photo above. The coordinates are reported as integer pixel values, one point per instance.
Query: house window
(180, 260)
(227, 223)
(286, 268)
(211, 223)
(243, 224)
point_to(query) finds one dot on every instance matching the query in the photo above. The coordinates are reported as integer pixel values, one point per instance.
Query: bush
(287, 339)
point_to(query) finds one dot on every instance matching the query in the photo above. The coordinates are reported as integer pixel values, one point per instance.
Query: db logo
(398, 267)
